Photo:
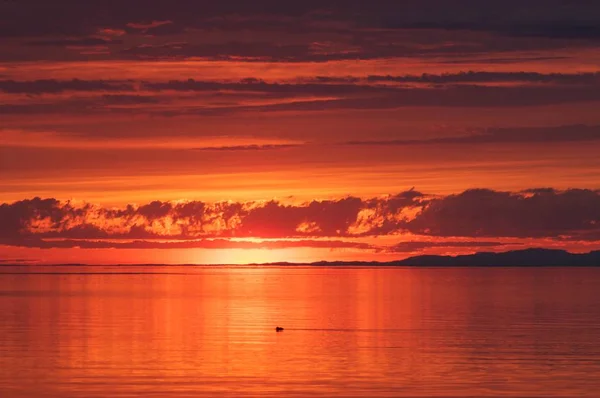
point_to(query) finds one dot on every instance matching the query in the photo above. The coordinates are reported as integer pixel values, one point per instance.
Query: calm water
(90, 332)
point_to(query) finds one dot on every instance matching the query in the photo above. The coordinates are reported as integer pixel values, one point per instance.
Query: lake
(363, 332)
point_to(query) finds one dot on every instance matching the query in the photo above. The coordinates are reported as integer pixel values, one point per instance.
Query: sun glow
(250, 256)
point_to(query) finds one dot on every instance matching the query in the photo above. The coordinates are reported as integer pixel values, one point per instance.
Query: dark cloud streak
(82, 42)
(254, 147)
(524, 135)
(53, 86)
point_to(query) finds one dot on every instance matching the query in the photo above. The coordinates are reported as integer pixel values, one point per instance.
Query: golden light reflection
(212, 329)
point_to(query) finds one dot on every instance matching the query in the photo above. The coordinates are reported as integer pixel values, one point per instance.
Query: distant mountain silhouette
(527, 257)
(517, 258)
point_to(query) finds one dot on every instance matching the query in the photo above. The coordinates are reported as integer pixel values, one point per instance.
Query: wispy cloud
(81, 42)
(523, 135)
(253, 147)
(53, 86)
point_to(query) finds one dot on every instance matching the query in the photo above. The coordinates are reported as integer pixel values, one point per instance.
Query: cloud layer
(537, 213)
(191, 97)
(524, 135)
(122, 102)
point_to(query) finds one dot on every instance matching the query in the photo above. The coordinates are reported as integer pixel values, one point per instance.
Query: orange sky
(304, 104)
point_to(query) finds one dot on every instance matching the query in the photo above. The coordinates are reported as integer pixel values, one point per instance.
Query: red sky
(198, 132)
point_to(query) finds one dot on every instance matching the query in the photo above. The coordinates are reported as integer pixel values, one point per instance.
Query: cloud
(339, 85)
(347, 96)
(533, 29)
(552, 18)
(321, 93)
(81, 42)
(248, 95)
(123, 99)
(415, 246)
(487, 213)
(260, 86)
(517, 59)
(10, 261)
(571, 30)
(232, 50)
(317, 98)
(537, 213)
(455, 97)
(147, 25)
(308, 31)
(264, 51)
(490, 77)
(90, 104)
(42, 108)
(507, 135)
(50, 218)
(469, 89)
(52, 86)
(563, 30)
(253, 147)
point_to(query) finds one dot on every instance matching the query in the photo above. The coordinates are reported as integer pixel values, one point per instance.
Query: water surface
(209, 331)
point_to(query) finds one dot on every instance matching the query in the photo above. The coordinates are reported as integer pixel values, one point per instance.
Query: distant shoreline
(518, 258)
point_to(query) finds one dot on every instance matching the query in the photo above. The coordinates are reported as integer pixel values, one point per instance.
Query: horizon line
(406, 262)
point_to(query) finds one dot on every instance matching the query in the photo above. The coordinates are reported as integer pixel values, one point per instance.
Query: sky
(237, 132)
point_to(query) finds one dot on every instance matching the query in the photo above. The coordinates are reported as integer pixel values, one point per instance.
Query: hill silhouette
(516, 258)
(527, 257)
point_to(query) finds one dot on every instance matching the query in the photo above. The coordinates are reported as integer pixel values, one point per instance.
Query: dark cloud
(538, 213)
(324, 85)
(513, 135)
(459, 96)
(458, 89)
(155, 210)
(193, 220)
(365, 97)
(555, 19)
(552, 18)
(145, 27)
(38, 108)
(352, 44)
(346, 96)
(52, 86)
(265, 147)
(123, 99)
(262, 51)
(415, 246)
(72, 17)
(15, 261)
(87, 105)
(258, 51)
(83, 42)
(561, 30)
(572, 30)
(486, 213)
(501, 60)
(317, 218)
(359, 29)
(261, 86)
(491, 77)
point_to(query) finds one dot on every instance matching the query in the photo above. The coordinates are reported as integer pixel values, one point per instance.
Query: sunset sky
(259, 131)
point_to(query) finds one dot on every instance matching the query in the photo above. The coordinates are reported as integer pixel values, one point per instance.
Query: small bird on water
(279, 329)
